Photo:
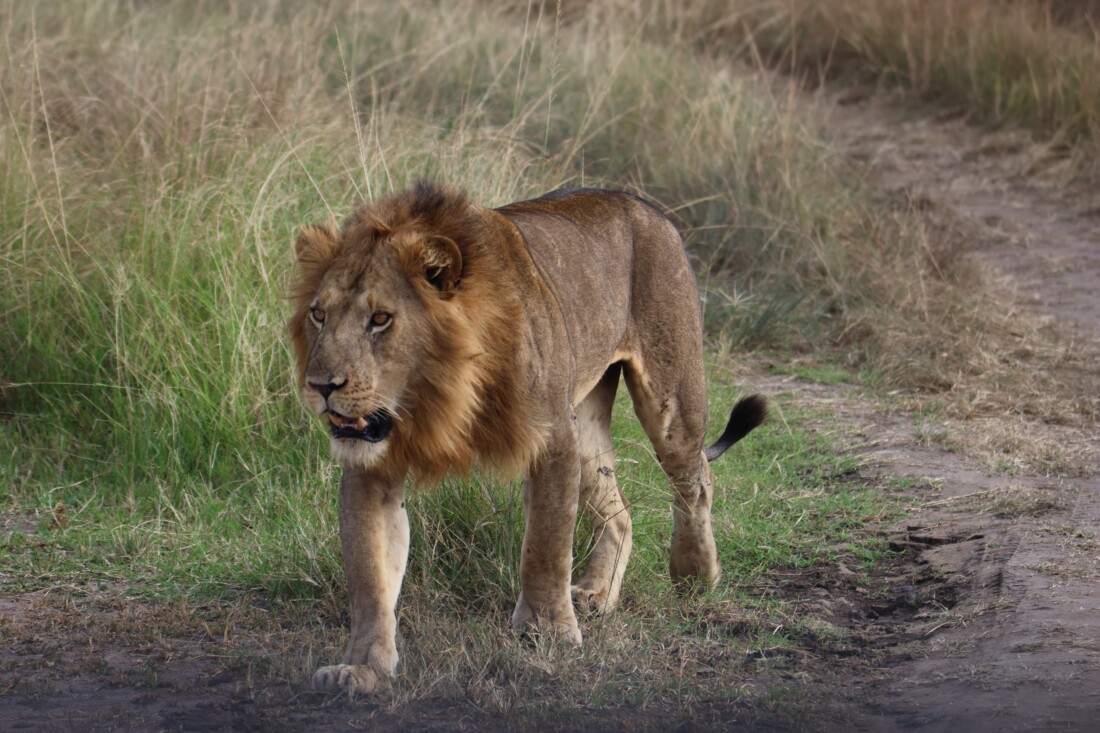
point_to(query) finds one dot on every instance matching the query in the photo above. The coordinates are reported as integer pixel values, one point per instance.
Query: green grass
(777, 498)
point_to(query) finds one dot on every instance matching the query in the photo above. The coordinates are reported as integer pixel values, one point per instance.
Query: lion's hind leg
(671, 405)
(598, 589)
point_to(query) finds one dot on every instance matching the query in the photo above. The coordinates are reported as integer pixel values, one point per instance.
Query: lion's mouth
(373, 428)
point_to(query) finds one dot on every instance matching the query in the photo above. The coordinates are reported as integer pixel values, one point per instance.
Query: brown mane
(465, 405)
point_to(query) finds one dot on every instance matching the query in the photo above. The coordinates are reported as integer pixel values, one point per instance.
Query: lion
(434, 336)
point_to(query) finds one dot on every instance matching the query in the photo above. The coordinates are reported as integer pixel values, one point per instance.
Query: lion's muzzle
(372, 428)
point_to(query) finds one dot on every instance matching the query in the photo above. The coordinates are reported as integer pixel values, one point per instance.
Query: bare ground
(1022, 651)
(989, 619)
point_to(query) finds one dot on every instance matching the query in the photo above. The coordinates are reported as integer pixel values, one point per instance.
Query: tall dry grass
(1005, 61)
(158, 160)
(1027, 62)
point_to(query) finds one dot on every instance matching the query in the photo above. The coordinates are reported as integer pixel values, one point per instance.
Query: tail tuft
(747, 414)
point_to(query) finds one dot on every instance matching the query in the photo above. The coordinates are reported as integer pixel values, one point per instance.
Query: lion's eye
(317, 315)
(380, 320)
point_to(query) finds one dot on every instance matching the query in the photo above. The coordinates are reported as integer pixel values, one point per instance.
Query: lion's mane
(465, 406)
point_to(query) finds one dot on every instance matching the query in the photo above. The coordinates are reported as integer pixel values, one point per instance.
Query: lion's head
(402, 340)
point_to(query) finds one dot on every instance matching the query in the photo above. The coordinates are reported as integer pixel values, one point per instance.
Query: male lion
(434, 335)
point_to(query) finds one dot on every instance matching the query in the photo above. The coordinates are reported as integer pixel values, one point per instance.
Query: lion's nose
(327, 388)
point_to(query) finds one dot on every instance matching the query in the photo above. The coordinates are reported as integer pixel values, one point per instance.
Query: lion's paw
(355, 679)
(591, 601)
(694, 568)
(561, 626)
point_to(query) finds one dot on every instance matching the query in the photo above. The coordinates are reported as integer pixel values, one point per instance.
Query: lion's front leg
(550, 496)
(374, 535)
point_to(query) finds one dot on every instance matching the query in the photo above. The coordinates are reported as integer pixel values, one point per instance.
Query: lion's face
(361, 328)
(366, 330)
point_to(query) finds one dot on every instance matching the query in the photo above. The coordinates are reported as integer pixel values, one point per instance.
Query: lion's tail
(747, 414)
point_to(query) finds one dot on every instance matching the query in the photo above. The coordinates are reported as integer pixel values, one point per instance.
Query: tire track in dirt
(1021, 651)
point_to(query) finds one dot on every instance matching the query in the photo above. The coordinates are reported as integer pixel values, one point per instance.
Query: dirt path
(1021, 650)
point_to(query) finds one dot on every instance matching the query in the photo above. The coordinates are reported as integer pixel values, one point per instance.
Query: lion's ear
(442, 261)
(315, 244)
